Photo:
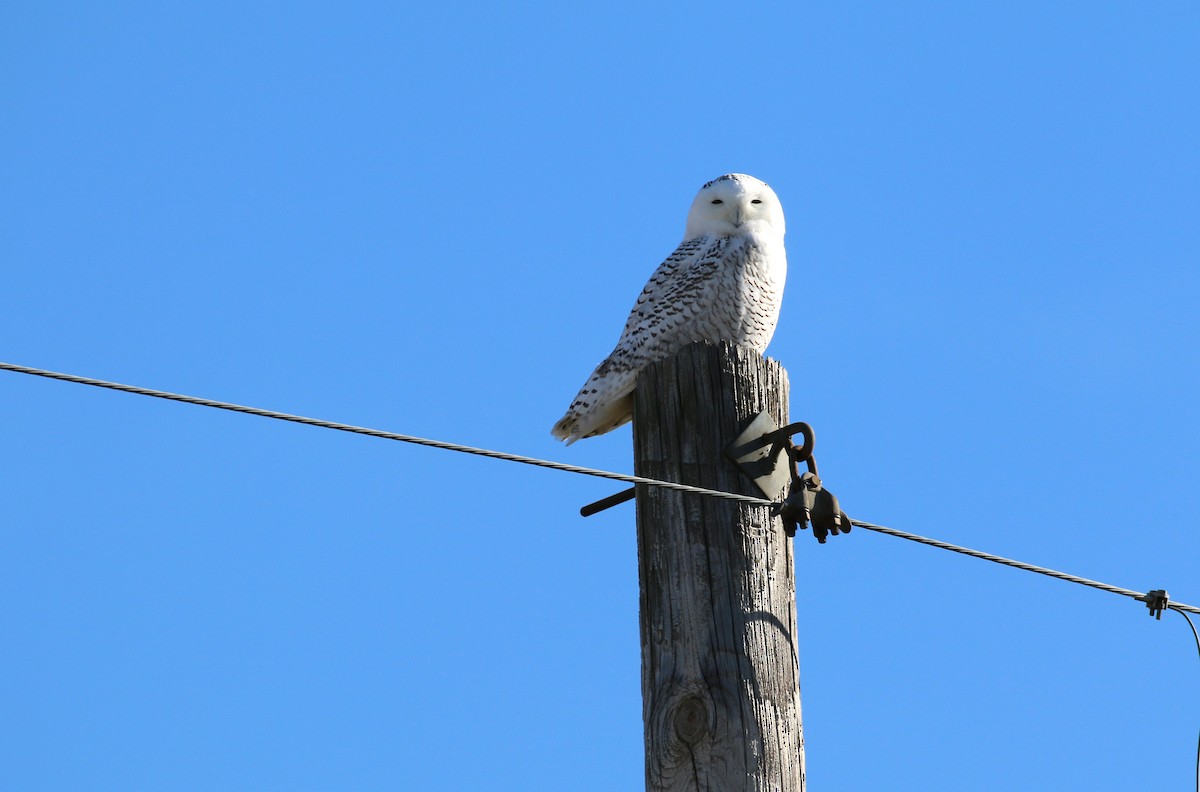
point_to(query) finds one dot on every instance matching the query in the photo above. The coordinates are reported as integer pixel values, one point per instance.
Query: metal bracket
(800, 500)
(756, 453)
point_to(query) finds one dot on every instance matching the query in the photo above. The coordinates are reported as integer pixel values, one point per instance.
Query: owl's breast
(752, 290)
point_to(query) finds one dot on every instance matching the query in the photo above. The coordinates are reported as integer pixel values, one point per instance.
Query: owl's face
(735, 204)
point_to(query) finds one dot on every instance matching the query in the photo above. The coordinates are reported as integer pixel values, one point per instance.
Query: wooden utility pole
(720, 675)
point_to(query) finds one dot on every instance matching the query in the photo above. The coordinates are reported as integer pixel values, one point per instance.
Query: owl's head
(735, 204)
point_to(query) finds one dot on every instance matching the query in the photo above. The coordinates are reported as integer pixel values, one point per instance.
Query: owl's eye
(756, 200)
(717, 201)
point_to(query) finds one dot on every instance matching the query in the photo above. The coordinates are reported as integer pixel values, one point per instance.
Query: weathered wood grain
(720, 676)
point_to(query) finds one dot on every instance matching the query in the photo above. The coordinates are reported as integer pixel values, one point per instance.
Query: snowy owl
(723, 283)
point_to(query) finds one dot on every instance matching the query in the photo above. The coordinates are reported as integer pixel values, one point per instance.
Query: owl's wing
(680, 288)
(659, 321)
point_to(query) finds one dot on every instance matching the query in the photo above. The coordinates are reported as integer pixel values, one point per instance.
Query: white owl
(723, 283)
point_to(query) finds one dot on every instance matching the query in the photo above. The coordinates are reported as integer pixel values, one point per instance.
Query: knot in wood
(691, 720)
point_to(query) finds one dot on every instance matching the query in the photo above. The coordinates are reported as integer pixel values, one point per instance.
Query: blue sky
(434, 220)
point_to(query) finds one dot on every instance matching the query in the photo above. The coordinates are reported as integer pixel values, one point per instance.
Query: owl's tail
(565, 429)
(604, 403)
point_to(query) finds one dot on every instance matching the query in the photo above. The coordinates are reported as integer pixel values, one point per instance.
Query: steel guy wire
(1137, 595)
(341, 427)
(545, 463)
(1195, 635)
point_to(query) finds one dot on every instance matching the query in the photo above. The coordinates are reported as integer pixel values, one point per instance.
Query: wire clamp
(1156, 601)
(809, 502)
(756, 452)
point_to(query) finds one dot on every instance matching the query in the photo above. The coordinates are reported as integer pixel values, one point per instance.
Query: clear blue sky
(433, 219)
